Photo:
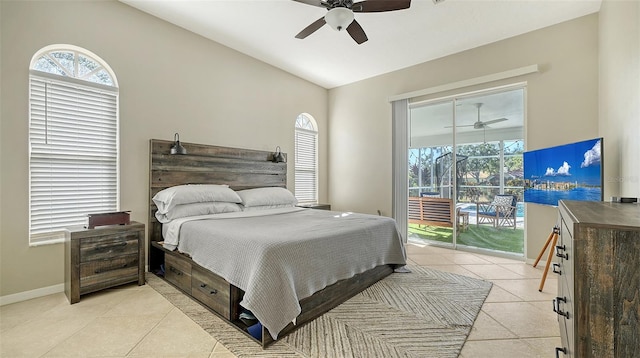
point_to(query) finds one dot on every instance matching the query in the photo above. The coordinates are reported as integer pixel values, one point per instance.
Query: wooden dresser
(103, 257)
(598, 303)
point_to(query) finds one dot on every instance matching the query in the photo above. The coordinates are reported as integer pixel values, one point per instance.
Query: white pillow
(194, 209)
(265, 207)
(166, 199)
(267, 196)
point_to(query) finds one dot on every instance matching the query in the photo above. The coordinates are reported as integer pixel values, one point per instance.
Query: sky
(575, 162)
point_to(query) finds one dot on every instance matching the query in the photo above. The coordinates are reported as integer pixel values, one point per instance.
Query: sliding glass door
(452, 192)
(431, 203)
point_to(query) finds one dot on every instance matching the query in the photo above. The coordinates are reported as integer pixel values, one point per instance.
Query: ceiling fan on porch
(478, 124)
(483, 124)
(340, 15)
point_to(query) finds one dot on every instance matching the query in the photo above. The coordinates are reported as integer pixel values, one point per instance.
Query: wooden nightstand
(316, 206)
(103, 257)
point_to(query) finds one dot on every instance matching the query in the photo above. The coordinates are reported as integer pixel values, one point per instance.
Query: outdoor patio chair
(501, 212)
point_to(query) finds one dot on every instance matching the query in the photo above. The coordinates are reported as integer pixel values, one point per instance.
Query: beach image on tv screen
(567, 172)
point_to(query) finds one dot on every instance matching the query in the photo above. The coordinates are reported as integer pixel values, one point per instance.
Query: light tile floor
(516, 319)
(134, 321)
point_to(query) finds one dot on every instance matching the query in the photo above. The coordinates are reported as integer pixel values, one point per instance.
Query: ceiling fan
(482, 124)
(340, 15)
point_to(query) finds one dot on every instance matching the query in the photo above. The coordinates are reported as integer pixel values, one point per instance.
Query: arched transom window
(73, 63)
(73, 139)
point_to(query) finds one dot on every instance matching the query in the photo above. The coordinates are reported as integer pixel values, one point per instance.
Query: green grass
(482, 236)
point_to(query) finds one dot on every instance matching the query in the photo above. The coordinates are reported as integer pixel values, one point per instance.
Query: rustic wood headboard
(208, 164)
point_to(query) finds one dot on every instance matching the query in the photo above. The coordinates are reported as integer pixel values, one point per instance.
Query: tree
(514, 163)
(483, 158)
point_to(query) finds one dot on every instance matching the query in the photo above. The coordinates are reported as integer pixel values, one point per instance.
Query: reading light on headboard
(177, 148)
(278, 157)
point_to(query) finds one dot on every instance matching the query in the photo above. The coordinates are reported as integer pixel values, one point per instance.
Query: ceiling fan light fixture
(339, 18)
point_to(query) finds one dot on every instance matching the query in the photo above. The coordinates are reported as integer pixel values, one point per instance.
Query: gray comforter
(279, 257)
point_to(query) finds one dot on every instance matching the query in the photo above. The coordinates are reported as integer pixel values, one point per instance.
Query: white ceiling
(265, 29)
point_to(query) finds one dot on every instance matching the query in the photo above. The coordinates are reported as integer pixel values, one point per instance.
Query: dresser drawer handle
(174, 270)
(113, 268)
(562, 248)
(556, 269)
(556, 306)
(211, 292)
(109, 247)
(558, 350)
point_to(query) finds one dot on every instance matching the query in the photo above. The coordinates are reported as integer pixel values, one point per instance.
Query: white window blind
(306, 147)
(73, 166)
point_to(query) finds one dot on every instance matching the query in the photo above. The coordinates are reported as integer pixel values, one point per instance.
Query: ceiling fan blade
(495, 121)
(464, 125)
(311, 28)
(380, 5)
(318, 3)
(357, 33)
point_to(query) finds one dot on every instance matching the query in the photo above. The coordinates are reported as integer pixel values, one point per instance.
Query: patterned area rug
(425, 313)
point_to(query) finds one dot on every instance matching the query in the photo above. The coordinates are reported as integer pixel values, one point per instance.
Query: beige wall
(170, 81)
(620, 96)
(562, 106)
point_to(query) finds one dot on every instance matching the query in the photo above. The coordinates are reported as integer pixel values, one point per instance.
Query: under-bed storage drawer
(178, 272)
(211, 290)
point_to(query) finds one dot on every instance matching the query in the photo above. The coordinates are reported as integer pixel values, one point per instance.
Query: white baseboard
(27, 295)
(39, 292)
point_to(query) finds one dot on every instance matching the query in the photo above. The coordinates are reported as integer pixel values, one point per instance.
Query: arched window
(306, 163)
(73, 140)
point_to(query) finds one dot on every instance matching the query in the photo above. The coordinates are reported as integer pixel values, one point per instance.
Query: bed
(286, 265)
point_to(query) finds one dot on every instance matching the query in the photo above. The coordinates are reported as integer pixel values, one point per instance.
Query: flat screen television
(567, 172)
